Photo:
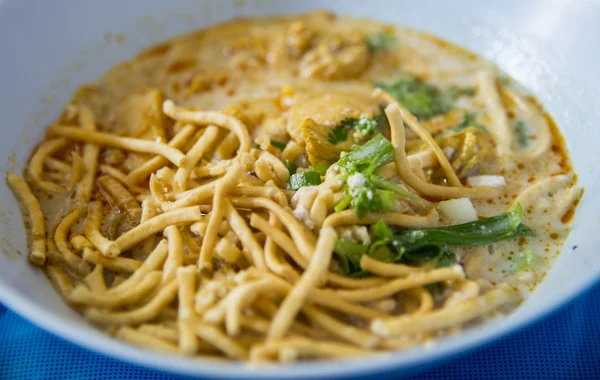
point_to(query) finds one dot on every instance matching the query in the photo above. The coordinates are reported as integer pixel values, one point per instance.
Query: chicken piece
(470, 152)
(335, 57)
(310, 121)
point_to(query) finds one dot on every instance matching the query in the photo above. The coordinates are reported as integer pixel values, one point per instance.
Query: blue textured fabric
(564, 346)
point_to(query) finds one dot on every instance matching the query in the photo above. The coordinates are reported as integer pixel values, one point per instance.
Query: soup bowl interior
(50, 48)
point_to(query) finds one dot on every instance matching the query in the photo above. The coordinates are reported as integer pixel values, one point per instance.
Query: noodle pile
(202, 250)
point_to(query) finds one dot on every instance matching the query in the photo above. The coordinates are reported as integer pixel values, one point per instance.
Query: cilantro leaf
(360, 127)
(423, 99)
(337, 135)
(303, 179)
(467, 122)
(380, 40)
(521, 128)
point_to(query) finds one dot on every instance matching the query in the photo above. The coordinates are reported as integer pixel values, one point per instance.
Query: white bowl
(48, 48)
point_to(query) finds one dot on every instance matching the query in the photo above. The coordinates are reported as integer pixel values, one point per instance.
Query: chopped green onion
(291, 167)
(349, 254)
(279, 144)
(432, 244)
(480, 232)
(382, 231)
(366, 199)
(383, 183)
(344, 203)
(368, 157)
(320, 168)
(377, 193)
(303, 179)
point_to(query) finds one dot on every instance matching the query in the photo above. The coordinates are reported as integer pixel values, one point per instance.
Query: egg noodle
(311, 239)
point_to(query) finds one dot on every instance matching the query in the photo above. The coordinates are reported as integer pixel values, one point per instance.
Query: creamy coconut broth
(282, 189)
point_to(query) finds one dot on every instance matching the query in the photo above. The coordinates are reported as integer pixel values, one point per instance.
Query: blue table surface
(563, 346)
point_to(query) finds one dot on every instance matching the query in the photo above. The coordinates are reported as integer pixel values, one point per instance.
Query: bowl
(49, 48)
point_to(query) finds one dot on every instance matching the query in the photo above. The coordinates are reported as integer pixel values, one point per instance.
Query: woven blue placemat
(564, 346)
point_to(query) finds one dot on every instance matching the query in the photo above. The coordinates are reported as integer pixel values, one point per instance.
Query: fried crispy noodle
(501, 131)
(216, 215)
(394, 114)
(423, 134)
(95, 280)
(543, 134)
(450, 316)
(78, 171)
(76, 264)
(317, 267)
(126, 143)
(208, 118)
(186, 277)
(36, 164)
(158, 162)
(269, 205)
(30, 203)
(90, 157)
(193, 156)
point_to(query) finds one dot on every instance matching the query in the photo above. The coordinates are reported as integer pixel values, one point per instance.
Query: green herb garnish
(380, 40)
(291, 167)
(383, 183)
(467, 122)
(337, 135)
(429, 243)
(377, 194)
(523, 261)
(446, 259)
(421, 245)
(303, 179)
(279, 144)
(368, 157)
(367, 199)
(422, 99)
(349, 255)
(320, 168)
(360, 127)
(521, 128)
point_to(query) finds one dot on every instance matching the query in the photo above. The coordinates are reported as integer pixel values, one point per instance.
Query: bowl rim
(408, 361)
